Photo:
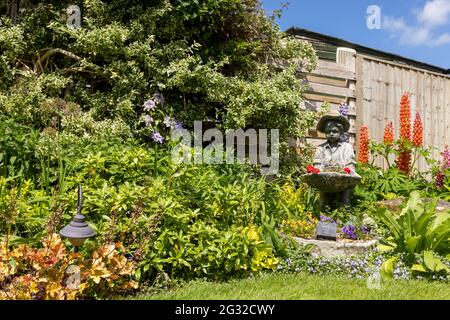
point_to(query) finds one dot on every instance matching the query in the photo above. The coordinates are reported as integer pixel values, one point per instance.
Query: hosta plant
(419, 231)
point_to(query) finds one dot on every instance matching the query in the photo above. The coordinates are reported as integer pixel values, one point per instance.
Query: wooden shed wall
(335, 83)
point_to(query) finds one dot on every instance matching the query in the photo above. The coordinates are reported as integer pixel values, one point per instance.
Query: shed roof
(308, 34)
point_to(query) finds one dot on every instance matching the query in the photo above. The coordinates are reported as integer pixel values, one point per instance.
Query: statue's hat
(333, 116)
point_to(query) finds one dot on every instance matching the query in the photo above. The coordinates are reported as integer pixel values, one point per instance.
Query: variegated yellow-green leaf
(387, 268)
(418, 267)
(440, 266)
(429, 260)
(384, 247)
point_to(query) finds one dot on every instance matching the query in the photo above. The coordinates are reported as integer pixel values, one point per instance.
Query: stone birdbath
(332, 182)
(325, 243)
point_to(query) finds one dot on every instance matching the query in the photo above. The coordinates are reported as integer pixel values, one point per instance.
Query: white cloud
(434, 13)
(442, 39)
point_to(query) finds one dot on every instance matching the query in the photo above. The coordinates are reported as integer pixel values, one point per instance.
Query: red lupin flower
(388, 137)
(417, 131)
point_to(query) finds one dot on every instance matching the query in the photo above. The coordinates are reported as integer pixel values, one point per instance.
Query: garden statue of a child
(334, 155)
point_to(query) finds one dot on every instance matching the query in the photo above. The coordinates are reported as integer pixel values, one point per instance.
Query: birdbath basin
(332, 181)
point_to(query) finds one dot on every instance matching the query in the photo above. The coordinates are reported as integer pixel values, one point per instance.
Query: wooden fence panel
(372, 88)
(383, 84)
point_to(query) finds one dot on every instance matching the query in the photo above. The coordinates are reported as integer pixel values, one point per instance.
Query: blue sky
(416, 29)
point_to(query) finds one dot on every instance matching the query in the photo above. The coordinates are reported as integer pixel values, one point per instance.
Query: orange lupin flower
(417, 131)
(363, 156)
(405, 117)
(388, 137)
(404, 157)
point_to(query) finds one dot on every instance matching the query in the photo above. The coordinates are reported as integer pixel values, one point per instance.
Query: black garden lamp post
(77, 231)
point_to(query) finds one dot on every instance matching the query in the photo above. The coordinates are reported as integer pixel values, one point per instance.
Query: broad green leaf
(384, 247)
(414, 203)
(439, 219)
(429, 260)
(387, 268)
(440, 266)
(406, 221)
(418, 267)
(421, 224)
(436, 237)
(390, 221)
(412, 242)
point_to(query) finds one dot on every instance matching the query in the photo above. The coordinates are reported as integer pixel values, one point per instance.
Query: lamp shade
(77, 231)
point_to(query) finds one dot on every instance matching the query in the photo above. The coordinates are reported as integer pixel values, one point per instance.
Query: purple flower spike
(445, 164)
(149, 105)
(439, 179)
(446, 158)
(157, 137)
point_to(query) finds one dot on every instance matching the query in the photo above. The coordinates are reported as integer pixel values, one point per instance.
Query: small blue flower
(177, 124)
(148, 120)
(172, 123)
(149, 105)
(167, 122)
(157, 137)
(129, 256)
(158, 98)
(343, 109)
(326, 219)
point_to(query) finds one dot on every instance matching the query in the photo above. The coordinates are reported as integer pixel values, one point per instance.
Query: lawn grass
(303, 286)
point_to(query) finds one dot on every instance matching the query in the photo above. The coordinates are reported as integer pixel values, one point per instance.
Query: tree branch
(53, 51)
